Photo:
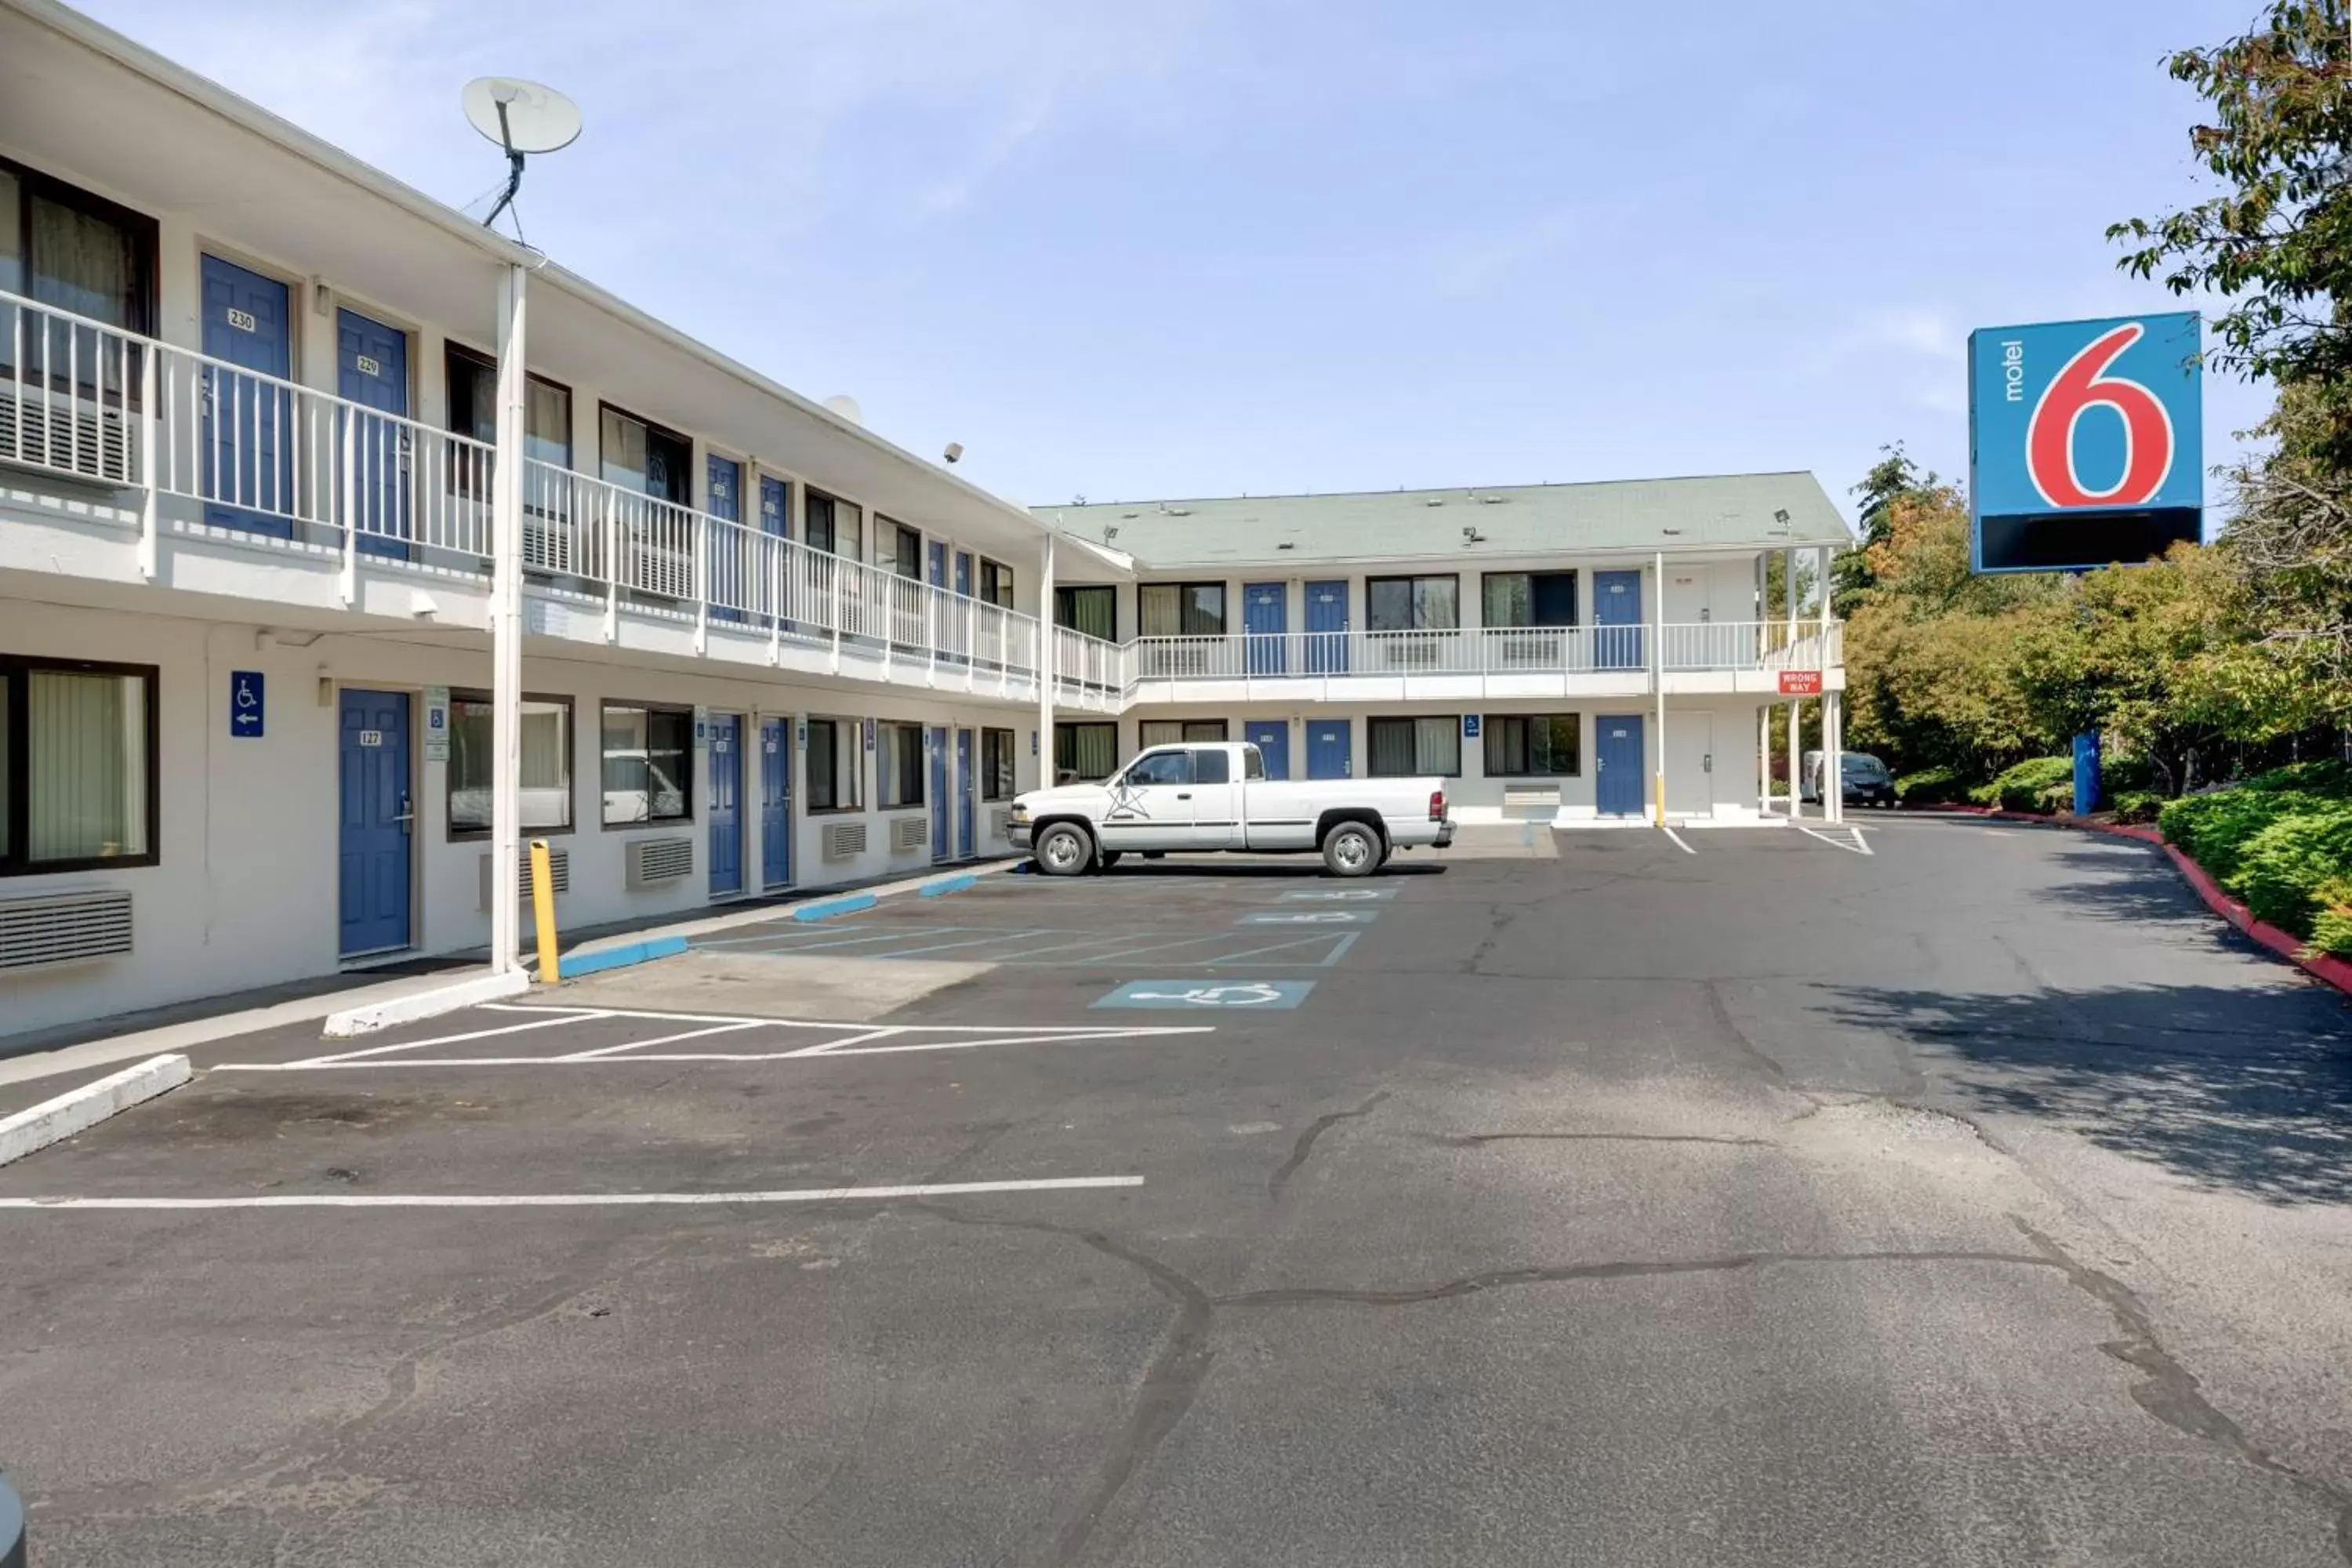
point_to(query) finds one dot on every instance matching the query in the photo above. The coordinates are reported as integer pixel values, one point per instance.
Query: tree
(1892, 477)
(2291, 538)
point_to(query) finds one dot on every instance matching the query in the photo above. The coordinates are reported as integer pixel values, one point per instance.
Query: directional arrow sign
(1310, 917)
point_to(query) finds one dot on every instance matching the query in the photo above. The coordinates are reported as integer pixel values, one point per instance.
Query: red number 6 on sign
(2085, 385)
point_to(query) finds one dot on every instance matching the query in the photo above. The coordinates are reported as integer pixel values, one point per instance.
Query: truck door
(1151, 804)
(1217, 802)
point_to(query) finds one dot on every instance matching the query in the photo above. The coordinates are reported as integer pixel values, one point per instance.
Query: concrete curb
(2324, 967)
(79, 1108)
(826, 908)
(942, 889)
(376, 1015)
(12, 1529)
(604, 957)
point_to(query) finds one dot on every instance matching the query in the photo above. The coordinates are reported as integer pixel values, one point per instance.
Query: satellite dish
(845, 406)
(522, 117)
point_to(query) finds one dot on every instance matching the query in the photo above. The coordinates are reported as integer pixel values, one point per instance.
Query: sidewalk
(102, 1042)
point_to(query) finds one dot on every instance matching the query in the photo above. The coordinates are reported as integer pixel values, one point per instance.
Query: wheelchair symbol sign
(1276, 996)
(245, 703)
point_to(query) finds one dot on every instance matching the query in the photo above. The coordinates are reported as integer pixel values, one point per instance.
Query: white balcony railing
(1716, 646)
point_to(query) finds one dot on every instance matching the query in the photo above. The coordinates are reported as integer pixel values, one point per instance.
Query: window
(646, 458)
(1529, 599)
(902, 765)
(1087, 751)
(1092, 610)
(836, 775)
(1532, 745)
(79, 252)
(1176, 732)
(77, 760)
(833, 525)
(1181, 609)
(1161, 768)
(1410, 748)
(1252, 762)
(1211, 767)
(648, 764)
(905, 547)
(996, 756)
(1412, 604)
(995, 584)
(474, 407)
(546, 787)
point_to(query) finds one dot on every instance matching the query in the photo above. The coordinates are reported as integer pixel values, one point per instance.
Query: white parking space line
(647, 1045)
(1054, 1039)
(1677, 837)
(568, 1016)
(582, 1200)
(1843, 836)
(989, 939)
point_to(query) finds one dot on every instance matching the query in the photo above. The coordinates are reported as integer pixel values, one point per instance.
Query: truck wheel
(1352, 849)
(1110, 858)
(1064, 851)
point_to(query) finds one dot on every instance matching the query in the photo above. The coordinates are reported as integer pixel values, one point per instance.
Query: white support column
(1832, 758)
(1797, 707)
(1658, 672)
(1764, 759)
(506, 634)
(1045, 652)
(151, 435)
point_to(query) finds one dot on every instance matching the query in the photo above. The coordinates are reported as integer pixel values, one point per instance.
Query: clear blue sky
(1129, 248)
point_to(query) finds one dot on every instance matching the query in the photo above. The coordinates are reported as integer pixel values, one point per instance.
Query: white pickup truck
(1217, 796)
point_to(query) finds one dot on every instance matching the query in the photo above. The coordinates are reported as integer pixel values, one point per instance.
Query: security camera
(954, 451)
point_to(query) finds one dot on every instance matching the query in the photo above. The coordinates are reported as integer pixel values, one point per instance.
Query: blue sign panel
(1211, 996)
(1469, 726)
(245, 703)
(2085, 441)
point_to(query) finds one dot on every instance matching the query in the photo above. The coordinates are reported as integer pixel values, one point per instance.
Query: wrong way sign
(1800, 683)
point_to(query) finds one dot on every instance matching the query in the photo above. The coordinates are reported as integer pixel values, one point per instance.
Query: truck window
(1252, 762)
(1160, 768)
(1211, 767)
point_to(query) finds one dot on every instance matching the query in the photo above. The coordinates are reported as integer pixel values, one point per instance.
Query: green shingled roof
(1709, 512)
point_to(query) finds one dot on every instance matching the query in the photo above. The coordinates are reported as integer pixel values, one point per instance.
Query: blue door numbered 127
(372, 370)
(775, 803)
(1265, 618)
(935, 743)
(374, 818)
(1272, 739)
(726, 764)
(1619, 790)
(1330, 748)
(246, 464)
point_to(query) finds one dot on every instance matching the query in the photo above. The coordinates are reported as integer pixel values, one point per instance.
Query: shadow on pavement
(2244, 1091)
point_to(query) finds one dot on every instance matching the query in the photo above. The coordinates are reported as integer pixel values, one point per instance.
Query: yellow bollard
(542, 900)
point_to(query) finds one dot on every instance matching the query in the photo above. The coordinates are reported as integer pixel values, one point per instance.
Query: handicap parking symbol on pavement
(1339, 896)
(1265, 996)
(1310, 918)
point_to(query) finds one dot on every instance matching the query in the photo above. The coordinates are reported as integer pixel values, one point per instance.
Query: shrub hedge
(2138, 805)
(1932, 786)
(2038, 783)
(2280, 841)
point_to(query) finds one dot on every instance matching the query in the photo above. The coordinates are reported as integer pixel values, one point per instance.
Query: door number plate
(369, 366)
(242, 320)
(370, 737)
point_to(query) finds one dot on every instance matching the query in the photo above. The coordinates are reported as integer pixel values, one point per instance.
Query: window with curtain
(905, 548)
(1180, 609)
(836, 776)
(473, 383)
(1410, 748)
(1092, 610)
(76, 765)
(1412, 604)
(995, 582)
(1532, 745)
(546, 786)
(1086, 751)
(833, 525)
(64, 247)
(902, 765)
(642, 456)
(1529, 599)
(648, 756)
(996, 763)
(1175, 731)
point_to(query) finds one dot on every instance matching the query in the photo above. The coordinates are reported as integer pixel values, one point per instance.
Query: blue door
(371, 370)
(1265, 618)
(776, 521)
(1327, 629)
(247, 454)
(775, 803)
(1618, 790)
(1617, 620)
(726, 764)
(1272, 738)
(967, 791)
(935, 743)
(730, 554)
(374, 820)
(1330, 748)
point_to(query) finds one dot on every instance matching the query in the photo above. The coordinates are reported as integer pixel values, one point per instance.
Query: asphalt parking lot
(1935, 1193)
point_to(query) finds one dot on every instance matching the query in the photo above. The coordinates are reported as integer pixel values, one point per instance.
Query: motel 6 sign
(2085, 442)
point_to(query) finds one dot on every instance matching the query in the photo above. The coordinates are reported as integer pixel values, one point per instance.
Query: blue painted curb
(12, 1529)
(826, 908)
(952, 885)
(577, 964)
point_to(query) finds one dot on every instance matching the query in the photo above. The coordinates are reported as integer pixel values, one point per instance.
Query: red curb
(2322, 966)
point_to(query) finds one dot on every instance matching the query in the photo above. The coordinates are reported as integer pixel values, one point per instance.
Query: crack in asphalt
(1473, 1140)
(1306, 1145)
(2170, 1392)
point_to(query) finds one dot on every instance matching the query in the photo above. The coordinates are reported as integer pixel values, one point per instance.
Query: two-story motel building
(248, 446)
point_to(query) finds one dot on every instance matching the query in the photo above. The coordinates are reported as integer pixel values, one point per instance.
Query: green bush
(2215, 829)
(1931, 786)
(2120, 776)
(2282, 868)
(2138, 805)
(2030, 785)
(2331, 929)
(2326, 776)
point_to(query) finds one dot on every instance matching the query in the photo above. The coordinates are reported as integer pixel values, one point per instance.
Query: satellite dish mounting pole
(514, 168)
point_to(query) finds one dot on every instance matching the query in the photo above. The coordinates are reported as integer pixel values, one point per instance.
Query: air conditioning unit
(64, 928)
(844, 840)
(1411, 655)
(909, 832)
(653, 861)
(558, 874)
(1000, 824)
(46, 431)
(1544, 798)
